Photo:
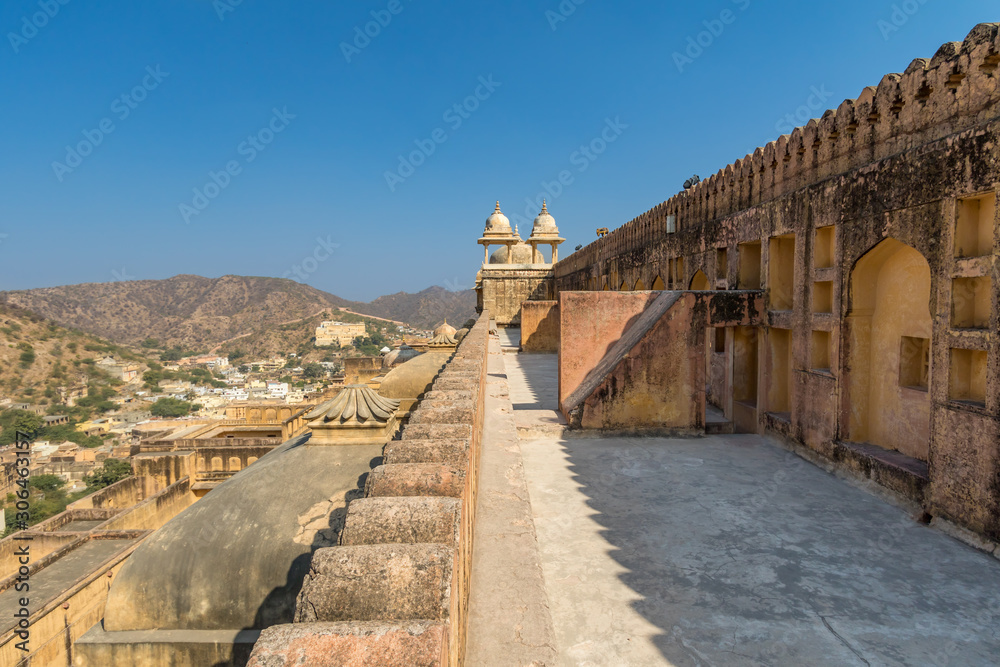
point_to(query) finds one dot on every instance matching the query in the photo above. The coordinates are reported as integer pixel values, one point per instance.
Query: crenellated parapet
(932, 99)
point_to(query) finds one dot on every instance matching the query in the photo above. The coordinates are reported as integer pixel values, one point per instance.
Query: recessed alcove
(967, 376)
(824, 248)
(781, 272)
(749, 258)
(974, 225)
(970, 303)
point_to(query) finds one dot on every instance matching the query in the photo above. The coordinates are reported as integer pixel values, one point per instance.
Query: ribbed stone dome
(445, 330)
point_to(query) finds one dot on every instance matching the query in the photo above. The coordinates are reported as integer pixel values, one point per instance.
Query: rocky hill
(40, 361)
(424, 309)
(199, 313)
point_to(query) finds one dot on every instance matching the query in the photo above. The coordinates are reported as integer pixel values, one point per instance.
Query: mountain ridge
(196, 312)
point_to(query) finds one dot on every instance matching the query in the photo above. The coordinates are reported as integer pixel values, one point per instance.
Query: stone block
(454, 452)
(415, 479)
(412, 644)
(412, 520)
(461, 413)
(434, 431)
(385, 582)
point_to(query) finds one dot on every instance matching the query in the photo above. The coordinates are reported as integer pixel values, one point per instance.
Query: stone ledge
(454, 452)
(391, 582)
(402, 521)
(896, 472)
(456, 414)
(435, 431)
(415, 479)
(450, 395)
(414, 644)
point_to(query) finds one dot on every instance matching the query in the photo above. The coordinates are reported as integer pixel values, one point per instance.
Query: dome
(445, 330)
(522, 254)
(400, 356)
(497, 224)
(545, 224)
(412, 379)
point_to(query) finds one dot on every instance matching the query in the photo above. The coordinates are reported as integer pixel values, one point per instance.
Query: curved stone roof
(236, 559)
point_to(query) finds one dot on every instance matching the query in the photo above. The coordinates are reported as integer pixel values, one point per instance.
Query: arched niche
(699, 281)
(888, 338)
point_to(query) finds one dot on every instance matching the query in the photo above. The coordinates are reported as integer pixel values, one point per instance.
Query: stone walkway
(729, 550)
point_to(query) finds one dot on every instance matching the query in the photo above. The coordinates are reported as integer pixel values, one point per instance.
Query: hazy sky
(143, 139)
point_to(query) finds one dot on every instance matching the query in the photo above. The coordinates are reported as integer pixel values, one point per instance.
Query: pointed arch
(623, 287)
(699, 281)
(658, 284)
(639, 287)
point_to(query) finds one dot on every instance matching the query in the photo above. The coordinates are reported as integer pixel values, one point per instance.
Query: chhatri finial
(545, 208)
(516, 233)
(498, 207)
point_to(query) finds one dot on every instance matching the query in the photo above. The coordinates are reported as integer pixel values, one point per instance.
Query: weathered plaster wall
(540, 326)
(590, 323)
(653, 375)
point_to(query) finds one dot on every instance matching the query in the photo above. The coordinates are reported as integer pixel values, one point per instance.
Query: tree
(112, 471)
(313, 371)
(46, 483)
(171, 407)
(19, 420)
(150, 343)
(27, 355)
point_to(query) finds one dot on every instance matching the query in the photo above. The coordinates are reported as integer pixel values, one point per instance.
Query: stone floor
(729, 550)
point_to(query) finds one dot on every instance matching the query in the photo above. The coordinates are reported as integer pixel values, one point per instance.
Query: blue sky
(288, 135)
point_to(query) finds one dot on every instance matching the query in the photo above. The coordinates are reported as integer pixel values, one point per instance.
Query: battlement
(932, 99)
